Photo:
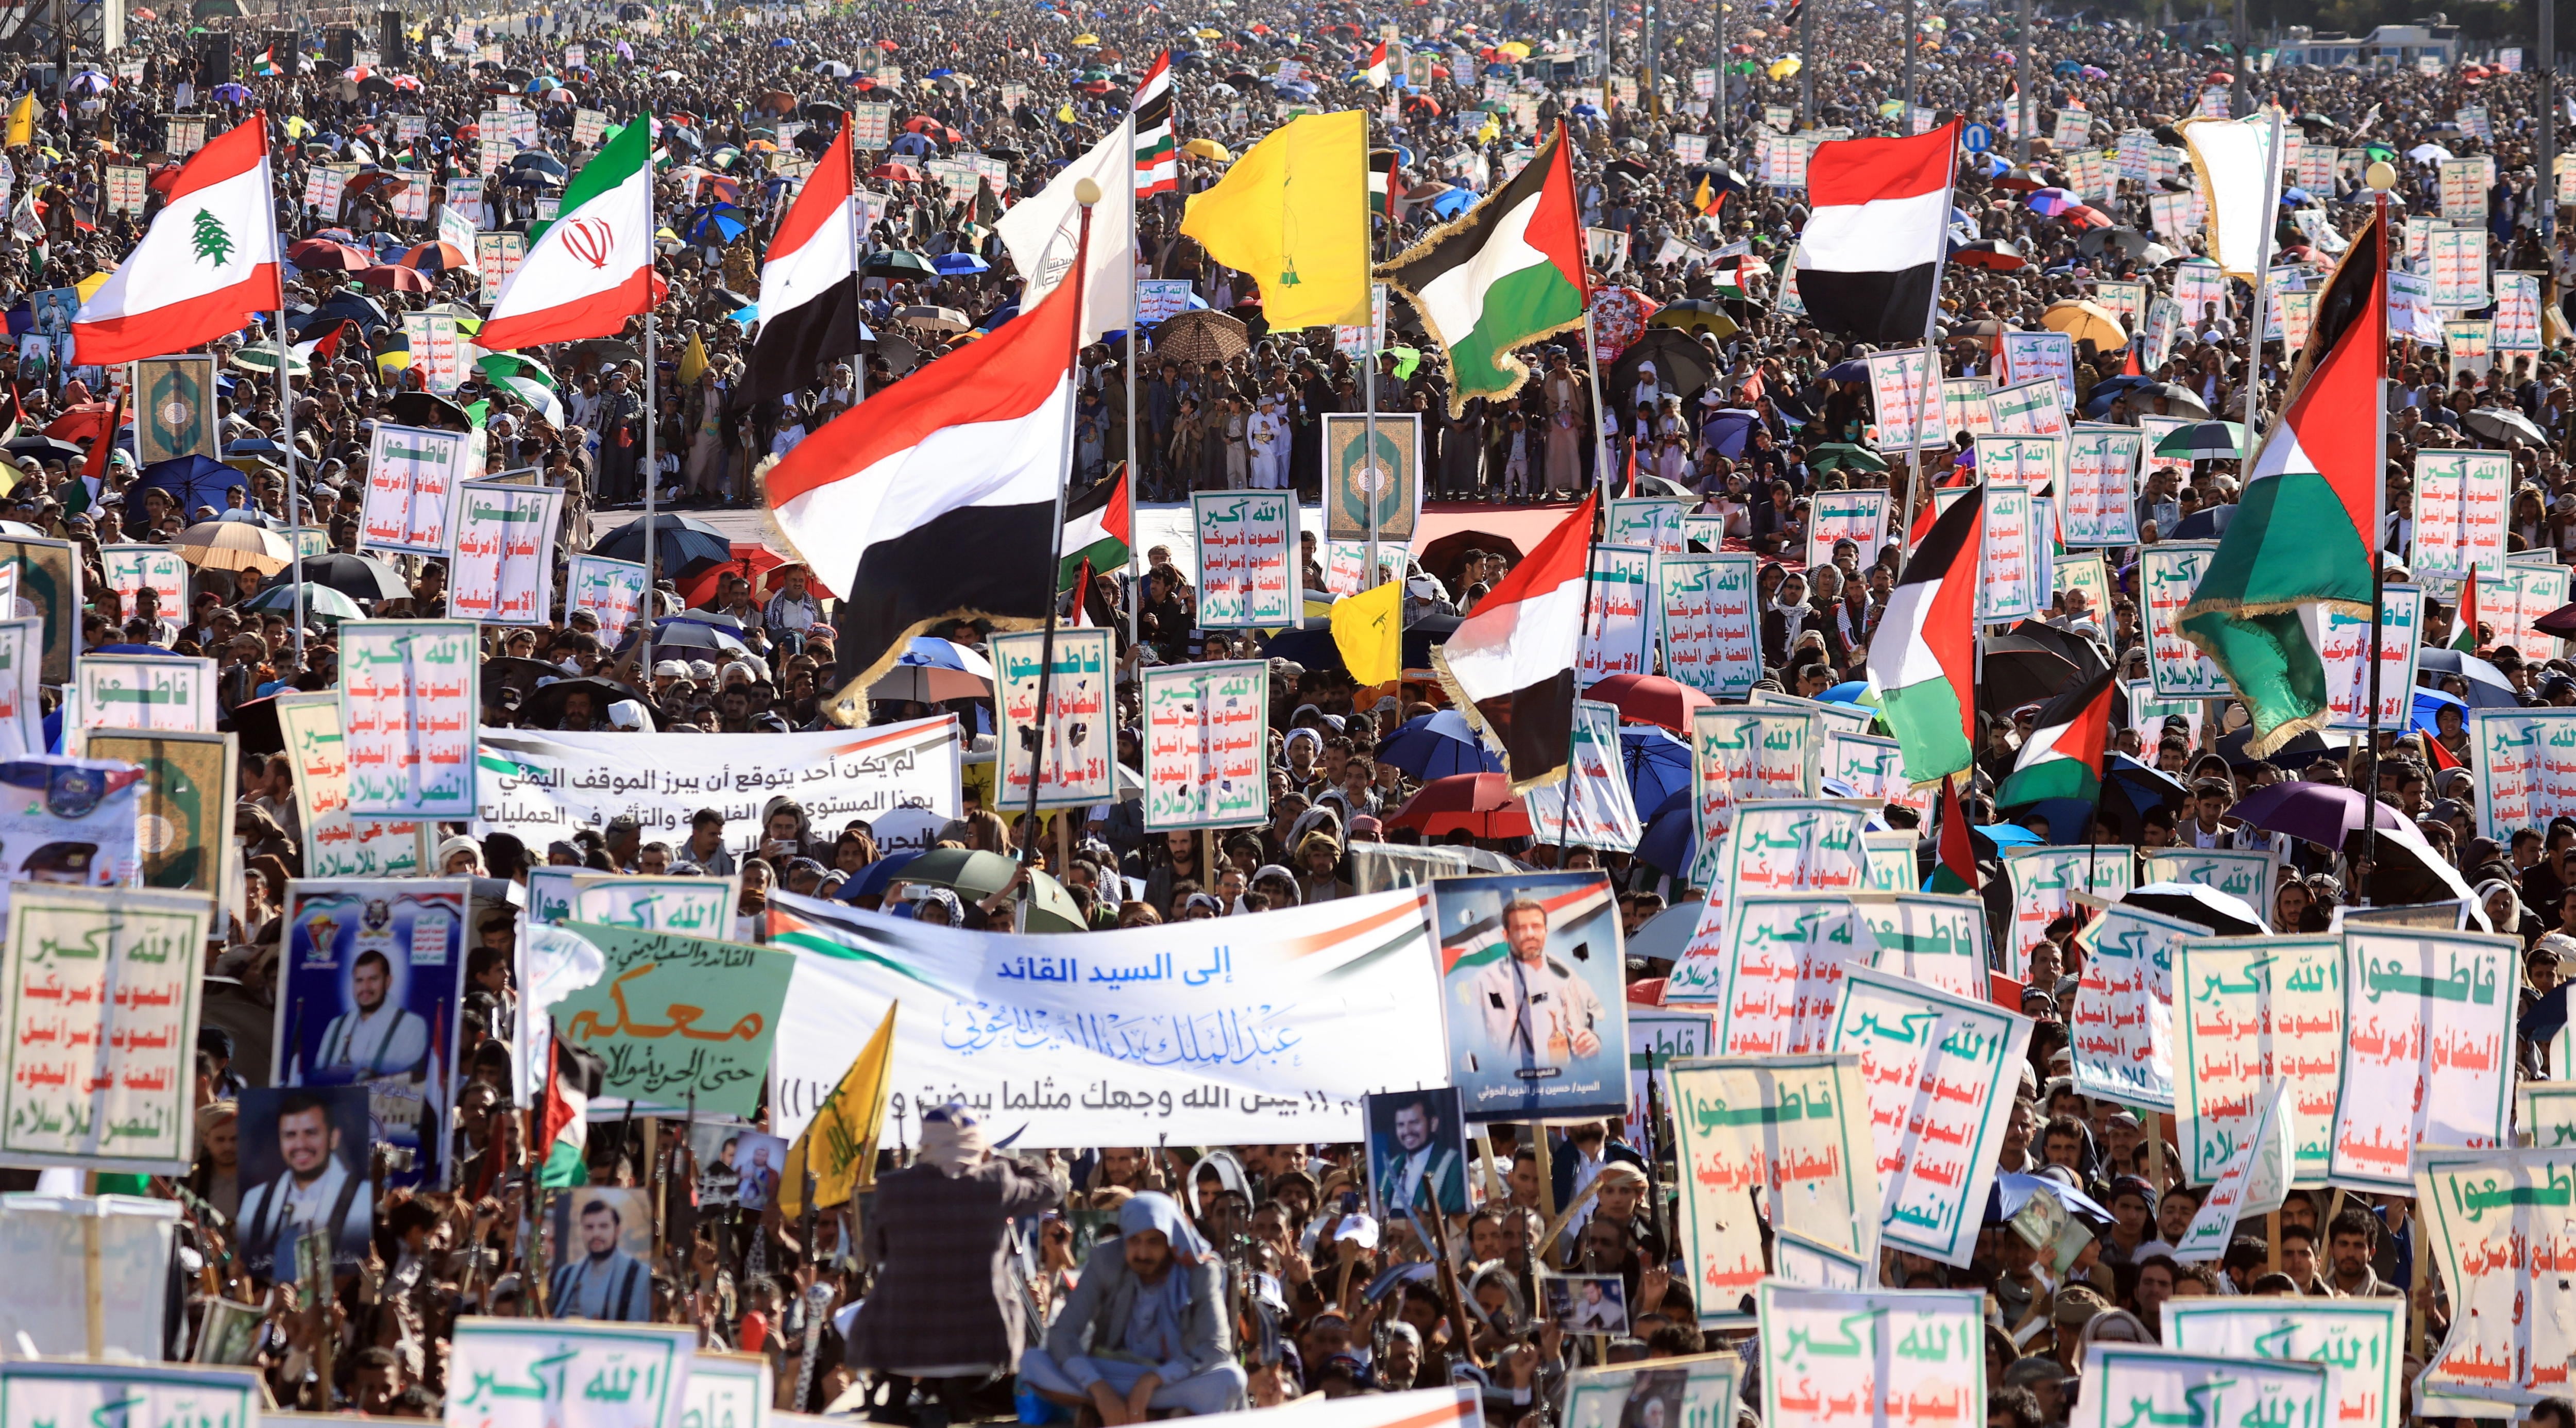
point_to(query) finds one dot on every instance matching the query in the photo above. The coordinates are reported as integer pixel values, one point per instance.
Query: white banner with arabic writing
(1838, 1358)
(1787, 1128)
(2428, 1049)
(2502, 1235)
(2250, 1011)
(2359, 1341)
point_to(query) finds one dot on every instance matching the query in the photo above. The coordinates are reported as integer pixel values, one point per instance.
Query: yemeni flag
(2464, 620)
(2302, 539)
(563, 1125)
(1924, 659)
(1507, 273)
(2063, 756)
(1876, 234)
(809, 282)
(592, 268)
(1377, 66)
(208, 262)
(1097, 527)
(1158, 164)
(1509, 667)
(1954, 858)
(935, 499)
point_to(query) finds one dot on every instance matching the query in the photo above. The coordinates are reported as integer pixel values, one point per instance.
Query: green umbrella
(2204, 441)
(974, 875)
(1843, 453)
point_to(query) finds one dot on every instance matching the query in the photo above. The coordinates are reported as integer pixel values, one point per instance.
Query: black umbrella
(2200, 905)
(43, 448)
(607, 349)
(543, 708)
(2207, 523)
(2129, 242)
(682, 545)
(692, 631)
(428, 409)
(2080, 652)
(2021, 671)
(508, 672)
(360, 577)
(255, 721)
(1681, 364)
(2300, 752)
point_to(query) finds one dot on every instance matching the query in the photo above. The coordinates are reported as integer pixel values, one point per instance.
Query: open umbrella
(2487, 686)
(234, 545)
(1681, 364)
(2020, 671)
(2199, 903)
(1651, 699)
(321, 602)
(933, 319)
(2179, 400)
(1996, 255)
(1202, 336)
(360, 577)
(1658, 765)
(2086, 322)
(934, 671)
(974, 875)
(681, 544)
(2321, 813)
(543, 708)
(1480, 805)
(692, 632)
(2505, 425)
(2204, 441)
(1695, 315)
(316, 255)
(393, 277)
(1437, 746)
(1834, 454)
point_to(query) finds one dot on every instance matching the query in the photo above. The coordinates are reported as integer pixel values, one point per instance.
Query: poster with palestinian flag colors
(1532, 987)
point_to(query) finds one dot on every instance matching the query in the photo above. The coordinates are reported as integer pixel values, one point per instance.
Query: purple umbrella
(2321, 813)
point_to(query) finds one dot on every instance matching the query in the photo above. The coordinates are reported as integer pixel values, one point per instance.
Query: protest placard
(2517, 312)
(537, 1373)
(2033, 408)
(1939, 1072)
(2358, 1341)
(2514, 602)
(2008, 555)
(369, 978)
(1206, 745)
(2122, 1021)
(2099, 502)
(174, 410)
(100, 1007)
(2544, 1112)
(1286, 1034)
(437, 349)
(2046, 882)
(1654, 522)
(112, 691)
(1904, 392)
(1246, 559)
(34, 1395)
(1891, 864)
(1780, 845)
(2458, 258)
(2520, 761)
(1937, 939)
(1967, 404)
(499, 256)
(1874, 768)
(157, 568)
(1834, 1358)
(412, 476)
(1070, 750)
(2459, 515)
(695, 906)
(2464, 185)
(1160, 299)
(2345, 649)
(2032, 355)
(335, 845)
(2177, 667)
(2428, 1047)
(679, 1022)
(1836, 516)
(1618, 620)
(2254, 1179)
(185, 831)
(1788, 1130)
(410, 706)
(2246, 874)
(1739, 755)
(22, 706)
(541, 785)
(1711, 640)
(728, 1391)
(1693, 1389)
(1592, 806)
(2500, 1238)
(1774, 977)
(2147, 1384)
(613, 590)
(1535, 1012)
(503, 572)
(1657, 1037)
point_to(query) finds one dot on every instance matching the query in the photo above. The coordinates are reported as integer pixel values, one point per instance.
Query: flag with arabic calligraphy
(681, 1023)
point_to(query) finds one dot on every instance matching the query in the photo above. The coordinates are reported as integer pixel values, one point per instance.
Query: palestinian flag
(1509, 666)
(592, 268)
(1508, 272)
(1158, 166)
(1924, 659)
(1385, 184)
(2464, 619)
(1097, 527)
(563, 1126)
(2306, 524)
(2063, 756)
(1954, 860)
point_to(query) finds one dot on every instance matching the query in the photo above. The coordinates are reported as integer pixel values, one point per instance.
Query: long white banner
(1204, 1033)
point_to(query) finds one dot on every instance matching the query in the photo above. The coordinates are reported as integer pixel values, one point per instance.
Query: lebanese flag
(592, 268)
(2062, 758)
(809, 282)
(1509, 667)
(207, 263)
(1924, 658)
(1876, 234)
(935, 499)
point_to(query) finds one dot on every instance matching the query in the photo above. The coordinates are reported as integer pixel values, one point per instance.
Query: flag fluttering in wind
(208, 262)
(839, 1146)
(1924, 658)
(1158, 163)
(1293, 213)
(592, 268)
(1877, 233)
(809, 282)
(2062, 758)
(1509, 666)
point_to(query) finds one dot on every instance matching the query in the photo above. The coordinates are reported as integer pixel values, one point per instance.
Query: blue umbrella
(872, 880)
(189, 481)
(1670, 841)
(958, 265)
(1852, 371)
(1849, 692)
(1452, 203)
(2428, 708)
(1728, 431)
(1436, 746)
(1658, 765)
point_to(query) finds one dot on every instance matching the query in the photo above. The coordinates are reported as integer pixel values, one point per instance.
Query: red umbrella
(895, 171)
(323, 255)
(395, 279)
(1651, 699)
(436, 257)
(2088, 218)
(888, 46)
(1478, 804)
(923, 124)
(83, 421)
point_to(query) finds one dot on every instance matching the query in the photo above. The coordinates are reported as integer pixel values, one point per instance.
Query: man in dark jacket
(1147, 1327)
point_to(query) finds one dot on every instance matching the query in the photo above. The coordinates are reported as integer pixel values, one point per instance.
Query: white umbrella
(234, 545)
(2428, 153)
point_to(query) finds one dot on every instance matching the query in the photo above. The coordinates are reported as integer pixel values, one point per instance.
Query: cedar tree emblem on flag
(210, 240)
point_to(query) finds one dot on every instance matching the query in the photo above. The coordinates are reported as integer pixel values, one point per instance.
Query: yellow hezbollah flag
(693, 361)
(1293, 212)
(1368, 628)
(840, 1144)
(22, 120)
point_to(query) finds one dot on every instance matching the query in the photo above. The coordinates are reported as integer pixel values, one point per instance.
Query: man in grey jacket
(1147, 1327)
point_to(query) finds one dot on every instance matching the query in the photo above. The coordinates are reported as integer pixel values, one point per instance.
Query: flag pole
(1135, 357)
(2245, 444)
(2379, 176)
(1928, 406)
(294, 514)
(652, 597)
(1086, 192)
(1574, 730)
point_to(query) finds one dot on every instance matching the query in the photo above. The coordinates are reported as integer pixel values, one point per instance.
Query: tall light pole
(2236, 100)
(2022, 116)
(2546, 183)
(1807, 63)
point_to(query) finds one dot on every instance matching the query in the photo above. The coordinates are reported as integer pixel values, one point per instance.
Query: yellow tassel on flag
(1368, 628)
(840, 1144)
(1313, 269)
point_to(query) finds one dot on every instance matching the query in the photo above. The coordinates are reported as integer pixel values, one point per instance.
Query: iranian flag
(1924, 659)
(208, 262)
(2062, 758)
(592, 269)
(2301, 541)
(1507, 273)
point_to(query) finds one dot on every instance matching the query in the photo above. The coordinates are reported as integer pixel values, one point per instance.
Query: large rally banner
(2500, 1231)
(1592, 806)
(2122, 1022)
(2429, 1030)
(2359, 1341)
(410, 706)
(2525, 760)
(100, 1007)
(1939, 1072)
(541, 786)
(1188, 1030)
(2127, 1385)
(1712, 641)
(1777, 973)
(412, 476)
(503, 572)
(336, 845)
(680, 1023)
(537, 1373)
(1787, 1129)
(1071, 748)
(1207, 745)
(2045, 884)
(1937, 939)
(2460, 500)
(1835, 1358)
(1739, 755)
(2249, 1011)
